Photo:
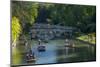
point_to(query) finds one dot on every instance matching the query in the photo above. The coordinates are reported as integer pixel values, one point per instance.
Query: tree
(26, 12)
(16, 30)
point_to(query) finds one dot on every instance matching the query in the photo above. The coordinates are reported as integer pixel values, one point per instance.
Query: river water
(57, 53)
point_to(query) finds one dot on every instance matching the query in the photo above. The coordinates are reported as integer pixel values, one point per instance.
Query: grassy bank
(91, 38)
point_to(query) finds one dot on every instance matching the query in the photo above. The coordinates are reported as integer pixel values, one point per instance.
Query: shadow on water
(57, 53)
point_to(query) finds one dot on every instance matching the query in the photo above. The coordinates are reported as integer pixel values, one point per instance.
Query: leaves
(78, 16)
(16, 28)
(26, 12)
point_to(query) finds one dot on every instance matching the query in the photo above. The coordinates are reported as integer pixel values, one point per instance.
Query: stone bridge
(47, 31)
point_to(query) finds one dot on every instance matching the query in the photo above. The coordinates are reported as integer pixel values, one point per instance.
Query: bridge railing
(46, 26)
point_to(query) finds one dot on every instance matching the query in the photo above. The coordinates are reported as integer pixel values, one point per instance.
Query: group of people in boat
(30, 56)
(69, 43)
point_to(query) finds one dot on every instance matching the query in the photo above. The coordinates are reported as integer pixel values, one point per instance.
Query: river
(57, 53)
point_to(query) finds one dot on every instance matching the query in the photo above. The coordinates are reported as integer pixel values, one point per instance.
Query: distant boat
(69, 44)
(41, 48)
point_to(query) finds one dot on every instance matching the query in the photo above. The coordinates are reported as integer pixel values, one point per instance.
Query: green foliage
(26, 12)
(79, 16)
(88, 38)
(16, 28)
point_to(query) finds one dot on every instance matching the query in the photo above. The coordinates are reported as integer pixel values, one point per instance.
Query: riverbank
(89, 38)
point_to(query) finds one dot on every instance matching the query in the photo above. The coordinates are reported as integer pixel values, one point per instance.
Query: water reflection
(57, 53)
